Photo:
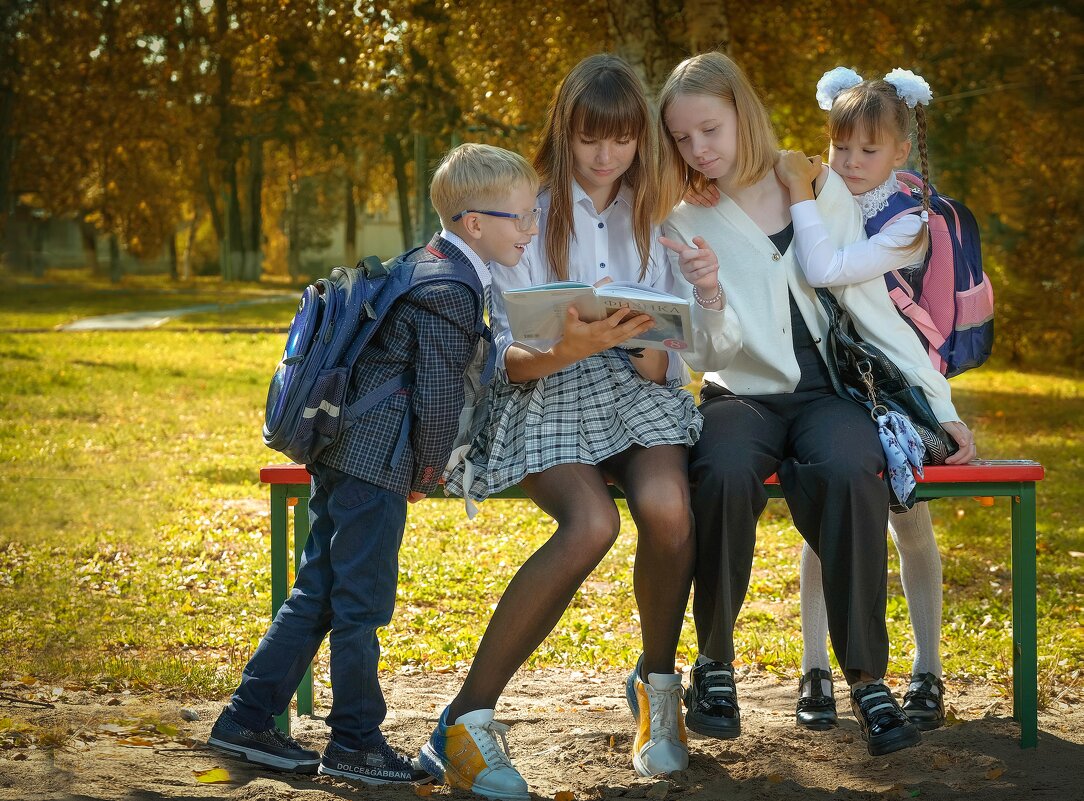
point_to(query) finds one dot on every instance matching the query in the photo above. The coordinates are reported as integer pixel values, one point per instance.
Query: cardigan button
(776, 257)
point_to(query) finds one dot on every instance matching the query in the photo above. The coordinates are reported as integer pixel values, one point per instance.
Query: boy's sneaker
(660, 745)
(269, 747)
(379, 764)
(884, 726)
(468, 756)
(712, 701)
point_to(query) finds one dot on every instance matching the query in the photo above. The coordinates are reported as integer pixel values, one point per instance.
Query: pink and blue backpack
(947, 299)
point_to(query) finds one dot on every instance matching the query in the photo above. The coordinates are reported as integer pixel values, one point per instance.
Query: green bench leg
(301, 536)
(280, 515)
(1024, 617)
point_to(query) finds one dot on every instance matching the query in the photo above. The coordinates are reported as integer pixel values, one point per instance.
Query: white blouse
(603, 245)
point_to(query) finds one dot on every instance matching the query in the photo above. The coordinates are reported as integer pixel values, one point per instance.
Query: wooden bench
(1014, 480)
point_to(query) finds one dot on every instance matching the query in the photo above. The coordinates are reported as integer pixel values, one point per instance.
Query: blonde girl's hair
(601, 98)
(475, 176)
(874, 108)
(715, 75)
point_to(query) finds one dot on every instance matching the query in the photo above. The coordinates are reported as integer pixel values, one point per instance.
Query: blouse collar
(876, 200)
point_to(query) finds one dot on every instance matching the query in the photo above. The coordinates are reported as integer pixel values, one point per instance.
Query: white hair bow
(912, 89)
(832, 83)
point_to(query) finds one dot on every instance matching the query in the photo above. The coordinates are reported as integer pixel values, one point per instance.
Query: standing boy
(347, 579)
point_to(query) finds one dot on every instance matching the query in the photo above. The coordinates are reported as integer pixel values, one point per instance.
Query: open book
(537, 313)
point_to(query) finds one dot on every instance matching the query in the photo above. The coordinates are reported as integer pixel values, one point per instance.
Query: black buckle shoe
(712, 701)
(925, 704)
(269, 747)
(884, 726)
(816, 711)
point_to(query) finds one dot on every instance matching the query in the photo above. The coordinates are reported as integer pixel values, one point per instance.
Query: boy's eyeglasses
(524, 222)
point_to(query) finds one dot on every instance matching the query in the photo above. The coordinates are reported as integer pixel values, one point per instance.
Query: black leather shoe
(712, 701)
(816, 711)
(925, 704)
(884, 726)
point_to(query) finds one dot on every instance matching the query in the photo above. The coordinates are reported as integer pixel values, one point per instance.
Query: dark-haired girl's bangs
(608, 110)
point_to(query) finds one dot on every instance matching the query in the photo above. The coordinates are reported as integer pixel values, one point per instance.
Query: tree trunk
(293, 217)
(402, 185)
(89, 236)
(212, 202)
(7, 155)
(232, 248)
(650, 35)
(173, 272)
(350, 237)
(254, 247)
(189, 246)
(116, 272)
(707, 26)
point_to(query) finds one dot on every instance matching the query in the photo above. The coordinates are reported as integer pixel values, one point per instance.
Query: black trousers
(828, 456)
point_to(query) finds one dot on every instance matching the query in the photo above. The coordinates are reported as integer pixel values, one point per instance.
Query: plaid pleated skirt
(583, 414)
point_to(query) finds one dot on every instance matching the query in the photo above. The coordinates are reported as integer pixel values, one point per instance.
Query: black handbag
(863, 373)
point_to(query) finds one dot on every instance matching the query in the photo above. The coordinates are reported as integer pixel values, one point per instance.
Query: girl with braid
(869, 123)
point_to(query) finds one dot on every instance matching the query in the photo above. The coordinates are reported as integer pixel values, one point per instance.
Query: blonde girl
(767, 399)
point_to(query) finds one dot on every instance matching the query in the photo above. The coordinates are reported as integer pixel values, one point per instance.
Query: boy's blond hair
(715, 75)
(473, 176)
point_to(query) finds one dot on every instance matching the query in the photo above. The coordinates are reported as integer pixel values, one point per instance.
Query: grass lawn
(134, 546)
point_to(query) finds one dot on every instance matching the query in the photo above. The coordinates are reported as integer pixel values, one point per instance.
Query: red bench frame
(1015, 480)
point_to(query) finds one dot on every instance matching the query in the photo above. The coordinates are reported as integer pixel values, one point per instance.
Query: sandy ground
(570, 738)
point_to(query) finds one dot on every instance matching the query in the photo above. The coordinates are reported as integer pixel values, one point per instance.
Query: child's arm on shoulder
(446, 341)
(826, 265)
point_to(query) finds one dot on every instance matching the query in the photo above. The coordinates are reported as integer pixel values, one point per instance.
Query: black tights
(655, 482)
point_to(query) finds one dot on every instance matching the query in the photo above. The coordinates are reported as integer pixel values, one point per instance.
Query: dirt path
(570, 733)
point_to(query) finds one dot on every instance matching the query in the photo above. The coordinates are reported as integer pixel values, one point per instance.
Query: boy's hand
(415, 496)
(706, 198)
(965, 439)
(581, 339)
(699, 266)
(798, 172)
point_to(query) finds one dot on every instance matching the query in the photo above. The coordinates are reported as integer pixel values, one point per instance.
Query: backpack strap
(382, 392)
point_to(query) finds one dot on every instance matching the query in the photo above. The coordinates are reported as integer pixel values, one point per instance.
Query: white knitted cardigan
(748, 346)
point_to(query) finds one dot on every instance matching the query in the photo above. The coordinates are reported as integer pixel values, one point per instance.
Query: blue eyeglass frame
(536, 213)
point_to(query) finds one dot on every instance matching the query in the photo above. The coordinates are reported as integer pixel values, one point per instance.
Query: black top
(814, 373)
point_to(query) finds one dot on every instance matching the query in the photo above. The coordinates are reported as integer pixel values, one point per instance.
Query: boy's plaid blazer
(431, 328)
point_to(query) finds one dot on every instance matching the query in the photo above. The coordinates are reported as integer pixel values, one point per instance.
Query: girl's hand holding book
(581, 339)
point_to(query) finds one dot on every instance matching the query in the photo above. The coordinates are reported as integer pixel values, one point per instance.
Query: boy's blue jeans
(346, 585)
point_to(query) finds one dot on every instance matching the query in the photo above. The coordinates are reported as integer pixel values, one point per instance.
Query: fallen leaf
(565, 795)
(136, 742)
(995, 772)
(18, 757)
(423, 790)
(167, 730)
(612, 741)
(29, 681)
(212, 776)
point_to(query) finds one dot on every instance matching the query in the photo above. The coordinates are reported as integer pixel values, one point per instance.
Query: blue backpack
(947, 299)
(335, 320)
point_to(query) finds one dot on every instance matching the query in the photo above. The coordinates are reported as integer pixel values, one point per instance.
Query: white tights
(920, 572)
